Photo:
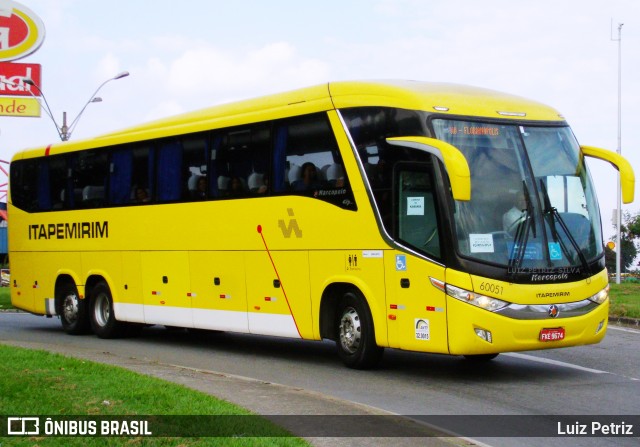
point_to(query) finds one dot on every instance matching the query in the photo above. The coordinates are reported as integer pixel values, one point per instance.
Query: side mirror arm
(453, 160)
(627, 177)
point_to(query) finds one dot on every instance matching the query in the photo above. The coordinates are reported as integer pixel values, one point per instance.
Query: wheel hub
(102, 310)
(70, 308)
(350, 330)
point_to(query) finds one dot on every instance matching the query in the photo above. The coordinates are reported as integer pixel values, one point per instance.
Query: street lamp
(619, 151)
(65, 130)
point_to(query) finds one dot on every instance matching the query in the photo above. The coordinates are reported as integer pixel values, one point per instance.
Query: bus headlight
(601, 296)
(482, 301)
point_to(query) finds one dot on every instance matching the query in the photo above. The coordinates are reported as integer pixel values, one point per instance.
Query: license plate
(552, 334)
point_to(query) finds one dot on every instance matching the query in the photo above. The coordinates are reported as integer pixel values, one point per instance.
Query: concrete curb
(625, 321)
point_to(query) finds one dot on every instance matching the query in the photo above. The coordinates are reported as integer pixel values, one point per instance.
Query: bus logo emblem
(292, 227)
(554, 311)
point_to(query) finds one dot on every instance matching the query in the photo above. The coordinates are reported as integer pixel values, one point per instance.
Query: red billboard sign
(21, 31)
(12, 79)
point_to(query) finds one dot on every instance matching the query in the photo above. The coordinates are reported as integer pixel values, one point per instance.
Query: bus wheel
(72, 310)
(481, 357)
(103, 319)
(355, 336)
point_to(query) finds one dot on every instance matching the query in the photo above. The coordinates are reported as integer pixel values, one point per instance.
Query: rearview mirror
(627, 177)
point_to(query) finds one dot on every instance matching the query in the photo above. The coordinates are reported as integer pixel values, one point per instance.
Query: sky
(190, 54)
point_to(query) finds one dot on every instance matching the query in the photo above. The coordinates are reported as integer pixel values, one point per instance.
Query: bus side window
(233, 159)
(142, 170)
(242, 160)
(168, 171)
(58, 183)
(335, 175)
(307, 161)
(89, 178)
(121, 169)
(44, 195)
(27, 197)
(194, 170)
(257, 184)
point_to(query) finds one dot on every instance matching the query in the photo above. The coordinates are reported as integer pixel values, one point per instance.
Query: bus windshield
(532, 202)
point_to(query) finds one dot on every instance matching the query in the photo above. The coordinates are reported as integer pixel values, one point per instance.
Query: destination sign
(479, 130)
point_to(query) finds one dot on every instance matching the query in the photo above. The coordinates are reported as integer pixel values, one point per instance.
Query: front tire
(72, 310)
(103, 318)
(355, 334)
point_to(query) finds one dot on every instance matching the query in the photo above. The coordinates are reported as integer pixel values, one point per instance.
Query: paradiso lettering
(75, 230)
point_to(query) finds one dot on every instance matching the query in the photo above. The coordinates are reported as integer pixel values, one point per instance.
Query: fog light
(600, 326)
(484, 334)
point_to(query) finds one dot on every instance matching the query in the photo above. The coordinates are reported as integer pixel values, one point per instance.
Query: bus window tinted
(241, 152)
(26, 196)
(297, 156)
(89, 179)
(307, 161)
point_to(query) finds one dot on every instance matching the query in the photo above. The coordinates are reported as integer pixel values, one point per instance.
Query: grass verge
(5, 298)
(43, 383)
(625, 300)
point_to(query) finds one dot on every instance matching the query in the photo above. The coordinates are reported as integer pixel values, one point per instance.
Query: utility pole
(619, 151)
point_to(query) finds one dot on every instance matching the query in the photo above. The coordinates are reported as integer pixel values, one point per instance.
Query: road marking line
(623, 329)
(555, 362)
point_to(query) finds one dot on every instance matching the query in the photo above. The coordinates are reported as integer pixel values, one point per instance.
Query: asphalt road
(592, 380)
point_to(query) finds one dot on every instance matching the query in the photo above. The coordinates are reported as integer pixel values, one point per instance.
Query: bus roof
(453, 99)
(444, 98)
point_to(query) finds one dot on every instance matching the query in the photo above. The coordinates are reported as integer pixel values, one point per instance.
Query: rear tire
(72, 310)
(103, 318)
(355, 334)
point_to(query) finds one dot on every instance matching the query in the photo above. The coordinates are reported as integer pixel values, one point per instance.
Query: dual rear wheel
(103, 318)
(94, 313)
(73, 311)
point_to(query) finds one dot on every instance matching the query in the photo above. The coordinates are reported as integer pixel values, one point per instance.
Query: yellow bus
(418, 216)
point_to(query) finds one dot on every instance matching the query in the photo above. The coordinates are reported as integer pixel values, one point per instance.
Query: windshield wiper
(554, 216)
(522, 233)
(527, 198)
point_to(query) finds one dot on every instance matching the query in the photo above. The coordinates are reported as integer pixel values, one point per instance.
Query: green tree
(633, 225)
(630, 237)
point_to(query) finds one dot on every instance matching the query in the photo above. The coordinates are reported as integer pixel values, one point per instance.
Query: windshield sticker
(533, 251)
(481, 243)
(555, 253)
(422, 329)
(415, 206)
